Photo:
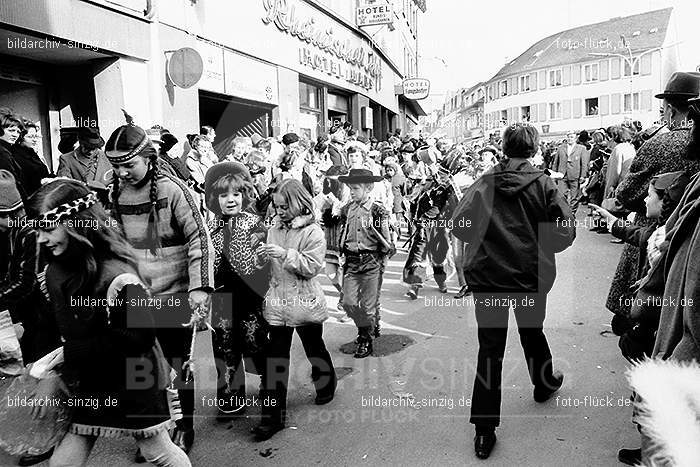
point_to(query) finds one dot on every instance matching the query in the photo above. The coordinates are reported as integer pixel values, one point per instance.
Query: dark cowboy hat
(682, 85)
(360, 176)
(584, 137)
(90, 136)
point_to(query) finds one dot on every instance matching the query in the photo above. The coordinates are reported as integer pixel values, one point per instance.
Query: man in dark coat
(571, 160)
(512, 220)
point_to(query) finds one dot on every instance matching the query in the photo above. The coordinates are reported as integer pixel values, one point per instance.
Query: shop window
(309, 96)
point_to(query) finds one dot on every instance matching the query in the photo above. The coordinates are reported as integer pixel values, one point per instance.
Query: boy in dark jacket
(512, 220)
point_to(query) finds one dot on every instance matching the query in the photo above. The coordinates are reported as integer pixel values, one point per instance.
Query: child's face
(355, 159)
(54, 238)
(231, 202)
(358, 192)
(389, 171)
(653, 203)
(132, 171)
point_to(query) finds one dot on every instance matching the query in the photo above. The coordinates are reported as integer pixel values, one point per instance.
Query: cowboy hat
(360, 176)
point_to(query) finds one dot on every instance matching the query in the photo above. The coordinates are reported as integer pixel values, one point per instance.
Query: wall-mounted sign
(374, 14)
(416, 88)
(250, 79)
(185, 67)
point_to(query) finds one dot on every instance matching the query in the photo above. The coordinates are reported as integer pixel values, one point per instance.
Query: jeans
(361, 284)
(492, 319)
(159, 450)
(275, 379)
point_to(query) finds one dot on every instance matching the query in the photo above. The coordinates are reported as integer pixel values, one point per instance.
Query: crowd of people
(234, 236)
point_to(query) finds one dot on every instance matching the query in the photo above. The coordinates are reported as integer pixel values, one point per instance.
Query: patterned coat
(663, 153)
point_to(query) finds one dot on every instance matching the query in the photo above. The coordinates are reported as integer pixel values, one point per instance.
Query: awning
(413, 106)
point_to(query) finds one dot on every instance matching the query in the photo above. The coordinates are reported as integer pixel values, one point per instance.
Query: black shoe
(463, 292)
(442, 288)
(364, 348)
(183, 438)
(327, 395)
(31, 459)
(483, 445)
(264, 432)
(630, 456)
(544, 394)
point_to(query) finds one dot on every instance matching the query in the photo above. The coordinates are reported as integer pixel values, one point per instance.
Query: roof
(642, 32)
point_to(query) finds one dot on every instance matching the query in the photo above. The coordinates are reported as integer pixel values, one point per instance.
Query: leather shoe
(184, 439)
(463, 292)
(483, 445)
(630, 456)
(364, 348)
(543, 394)
(265, 432)
(31, 459)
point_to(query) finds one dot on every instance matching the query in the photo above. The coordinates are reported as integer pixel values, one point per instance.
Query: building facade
(251, 66)
(587, 78)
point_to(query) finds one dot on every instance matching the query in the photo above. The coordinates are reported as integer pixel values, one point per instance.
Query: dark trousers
(361, 284)
(571, 191)
(176, 349)
(231, 365)
(275, 379)
(492, 319)
(428, 240)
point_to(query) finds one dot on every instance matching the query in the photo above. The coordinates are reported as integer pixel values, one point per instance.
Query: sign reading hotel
(416, 88)
(374, 14)
(321, 50)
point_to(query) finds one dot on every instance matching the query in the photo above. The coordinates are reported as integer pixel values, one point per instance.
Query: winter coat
(678, 337)
(513, 220)
(33, 169)
(295, 297)
(9, 163)
(103, 348)
(75, 165)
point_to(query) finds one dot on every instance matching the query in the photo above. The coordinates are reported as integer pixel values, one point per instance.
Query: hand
(19, 330)
(198, 299)
(275, 251)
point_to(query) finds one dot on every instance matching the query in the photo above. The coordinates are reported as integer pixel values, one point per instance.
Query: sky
(463, 42)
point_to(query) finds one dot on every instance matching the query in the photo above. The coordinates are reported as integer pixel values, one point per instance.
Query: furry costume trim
(669, 410)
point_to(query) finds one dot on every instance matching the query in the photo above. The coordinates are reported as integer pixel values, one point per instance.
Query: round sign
(185, 67)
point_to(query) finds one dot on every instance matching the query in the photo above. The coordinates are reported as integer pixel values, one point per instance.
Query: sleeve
(130, 333)
(633, 188)
(561, 227)
(185, 212)
(307, 262)
(22, 275)
(585, 162)
(632, 234)
(63, 169)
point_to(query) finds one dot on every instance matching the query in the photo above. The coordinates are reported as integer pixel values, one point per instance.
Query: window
(555, 78)
(555, 110)
(525, 83)
(635, 70)
(503, 88)
(590, 73)
(591, 106)
(630, 102)
(525, 114)
(504, 117)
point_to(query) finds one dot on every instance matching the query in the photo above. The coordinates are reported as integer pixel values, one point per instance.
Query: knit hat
(290, 138)
(10, 199)
(126, 142)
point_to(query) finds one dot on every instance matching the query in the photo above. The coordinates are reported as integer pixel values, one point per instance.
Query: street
(431, 354)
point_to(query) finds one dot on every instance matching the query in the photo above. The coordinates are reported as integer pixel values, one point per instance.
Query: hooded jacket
(513, 220)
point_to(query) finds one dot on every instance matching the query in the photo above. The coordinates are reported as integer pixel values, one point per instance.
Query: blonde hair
(297, 197)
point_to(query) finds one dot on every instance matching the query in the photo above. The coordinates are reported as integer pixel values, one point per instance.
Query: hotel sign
(416, 88)
(374, 14)
(322, 50)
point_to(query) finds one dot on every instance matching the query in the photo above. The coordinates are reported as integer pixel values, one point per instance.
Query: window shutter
(615, 104)
(604, 104)
(577, 108)
(513, 86)
(645, 64)
(533, 81)
(615, 68)
(577, 74)
(646, 100)
(516, 117)
(542, 79)
(566, 76)
(543, 112)
(533, 113)
(604, 69)
(566, 109)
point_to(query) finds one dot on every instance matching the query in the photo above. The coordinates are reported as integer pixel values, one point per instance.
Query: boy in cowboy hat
(364, 240)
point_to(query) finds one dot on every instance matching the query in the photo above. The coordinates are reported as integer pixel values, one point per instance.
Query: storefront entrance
(232, 117)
